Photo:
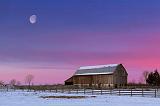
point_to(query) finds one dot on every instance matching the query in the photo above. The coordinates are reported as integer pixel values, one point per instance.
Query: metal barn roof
(96, 70)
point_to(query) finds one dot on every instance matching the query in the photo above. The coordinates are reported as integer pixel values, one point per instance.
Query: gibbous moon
(33, 19)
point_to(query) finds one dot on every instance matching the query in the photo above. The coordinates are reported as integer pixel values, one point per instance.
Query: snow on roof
(95, 73)
(96, 70)
(98, 66)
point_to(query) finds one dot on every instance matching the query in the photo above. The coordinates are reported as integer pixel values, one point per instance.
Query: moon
(33, 19)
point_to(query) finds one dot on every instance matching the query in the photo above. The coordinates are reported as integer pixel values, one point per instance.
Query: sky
(73, 33)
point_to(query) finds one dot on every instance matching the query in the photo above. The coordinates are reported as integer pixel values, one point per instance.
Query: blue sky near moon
(73, 33)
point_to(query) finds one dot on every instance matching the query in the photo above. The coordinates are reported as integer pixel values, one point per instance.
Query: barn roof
(98, 69)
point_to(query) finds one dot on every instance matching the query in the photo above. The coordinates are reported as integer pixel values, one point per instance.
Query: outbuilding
(102, 76)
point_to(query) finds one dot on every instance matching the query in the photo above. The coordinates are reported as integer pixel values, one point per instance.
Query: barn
(111, 75)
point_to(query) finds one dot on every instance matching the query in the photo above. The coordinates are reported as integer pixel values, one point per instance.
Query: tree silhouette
(145, 75)
(153, 78)
(28, 80)
(13, 82)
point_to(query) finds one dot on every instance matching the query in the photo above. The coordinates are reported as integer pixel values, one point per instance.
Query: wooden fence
(144, 92)
(119, 92)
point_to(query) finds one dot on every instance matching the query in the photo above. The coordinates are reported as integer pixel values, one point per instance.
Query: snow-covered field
(20, 98)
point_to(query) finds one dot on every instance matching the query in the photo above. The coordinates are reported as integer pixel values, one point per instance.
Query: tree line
(28, 80)
(152, 78)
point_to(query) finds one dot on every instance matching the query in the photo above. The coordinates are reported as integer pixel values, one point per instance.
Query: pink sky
(68, 35)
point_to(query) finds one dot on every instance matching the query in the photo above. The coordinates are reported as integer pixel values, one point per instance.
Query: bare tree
(13, 82)
(28, 80)
(141, 81)
(132, 82)
(145, 75)
(1, 83)
(18, 83)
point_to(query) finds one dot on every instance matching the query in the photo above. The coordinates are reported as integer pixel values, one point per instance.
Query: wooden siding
(118, 78)
(94, 80)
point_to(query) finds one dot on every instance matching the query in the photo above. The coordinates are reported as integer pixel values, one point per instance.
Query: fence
(144, 92)
(119, 92)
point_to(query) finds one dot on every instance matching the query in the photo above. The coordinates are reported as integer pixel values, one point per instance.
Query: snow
(98, 66)
(95, 73)
(20, 98)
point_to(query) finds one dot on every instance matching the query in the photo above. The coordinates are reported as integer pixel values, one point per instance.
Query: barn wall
(120, 76)
(69, 81)
(94, 80)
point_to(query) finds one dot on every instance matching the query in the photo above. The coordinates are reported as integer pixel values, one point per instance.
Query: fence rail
(119, 92)
(144, 92)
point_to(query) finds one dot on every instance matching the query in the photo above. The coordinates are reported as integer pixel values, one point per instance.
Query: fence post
(7, 88)
(110, 91)
(77, 91)
(142, 92)
(69, 90)
(92, 91)
(56, 89)
(101, 91)
(119, 92)
(62, 90)
(155, 93)
(131, 92)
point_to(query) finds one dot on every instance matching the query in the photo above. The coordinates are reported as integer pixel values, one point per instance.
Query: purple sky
(73, 33)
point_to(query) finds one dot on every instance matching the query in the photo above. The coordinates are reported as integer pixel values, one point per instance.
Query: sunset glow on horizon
(67, 34)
